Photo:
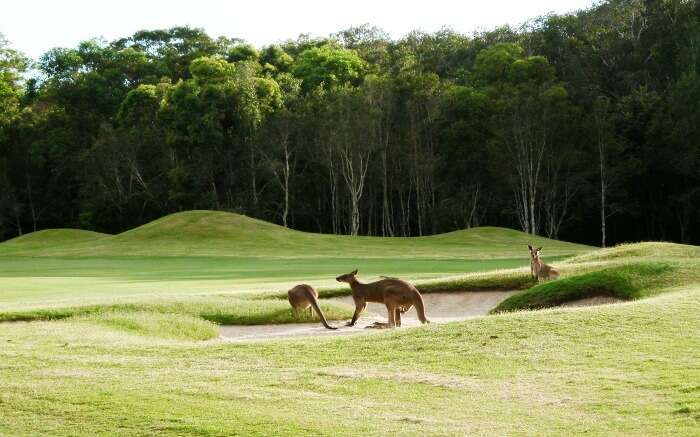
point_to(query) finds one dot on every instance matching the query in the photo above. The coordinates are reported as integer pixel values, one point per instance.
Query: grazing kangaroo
(305, 296)
(539, 269)
(398, 296)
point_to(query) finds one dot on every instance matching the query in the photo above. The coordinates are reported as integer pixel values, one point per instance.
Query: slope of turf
(653, 250)
(627, 272)
(629, 369)
(205, 252)
(226, 234)
(50, 238)
(223, 310)
(154, 324)
(140, 358)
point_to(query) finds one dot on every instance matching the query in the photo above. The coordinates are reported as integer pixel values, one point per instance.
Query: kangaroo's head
(534, 253)
(348, 277)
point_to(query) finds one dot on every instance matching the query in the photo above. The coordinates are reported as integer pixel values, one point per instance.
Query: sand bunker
(439, 308)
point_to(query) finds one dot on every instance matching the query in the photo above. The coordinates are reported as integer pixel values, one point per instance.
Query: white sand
(439, 308)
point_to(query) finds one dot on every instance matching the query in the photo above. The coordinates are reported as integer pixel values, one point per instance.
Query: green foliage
(140, 106)
(597, 103)
(211, 70)
(328, 66)
(12, 65)
(242, 52)
(497, 63)
(276, 59)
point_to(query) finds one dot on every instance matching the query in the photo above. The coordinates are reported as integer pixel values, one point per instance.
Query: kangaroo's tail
(420, 308)
(554, 273)
(314, 303)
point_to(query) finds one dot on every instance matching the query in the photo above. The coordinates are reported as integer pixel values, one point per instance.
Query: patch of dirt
(439, 308)
(592, 301)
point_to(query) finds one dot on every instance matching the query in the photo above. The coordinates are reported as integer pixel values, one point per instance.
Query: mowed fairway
(205, 252)
(45, 279)
(136, 350)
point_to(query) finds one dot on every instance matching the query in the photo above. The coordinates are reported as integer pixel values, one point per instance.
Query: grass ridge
(627, 282)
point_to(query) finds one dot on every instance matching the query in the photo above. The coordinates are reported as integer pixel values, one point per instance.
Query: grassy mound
(50, 238)
(630, 271)
(216, 233)
(640, 250)
(214, 309)
(623, 282)
(154, 324)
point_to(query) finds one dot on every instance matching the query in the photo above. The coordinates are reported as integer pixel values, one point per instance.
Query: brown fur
(398, 296)
(304, 297)
(539, 269)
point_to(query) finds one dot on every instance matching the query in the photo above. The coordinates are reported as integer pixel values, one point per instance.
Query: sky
(35, 26)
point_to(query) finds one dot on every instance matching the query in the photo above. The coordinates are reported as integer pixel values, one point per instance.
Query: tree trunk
(253, 179)
(30, 197)
(602, 204)
(387, 225)
(285, 213)
(18, 222)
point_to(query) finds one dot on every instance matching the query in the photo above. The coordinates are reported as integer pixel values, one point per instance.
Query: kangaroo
(539, 269)
(398, 296)
(305, 296)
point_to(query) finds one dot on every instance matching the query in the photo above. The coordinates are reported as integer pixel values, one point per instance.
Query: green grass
(154, 324)
(42, 280)
(117, 335)
(651, 250)
(615, 370)
(206, 252)
(210, 233)
(223, 310)
(631, 272)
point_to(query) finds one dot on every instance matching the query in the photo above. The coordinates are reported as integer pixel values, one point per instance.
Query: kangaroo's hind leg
(397, 316)
(391, 310)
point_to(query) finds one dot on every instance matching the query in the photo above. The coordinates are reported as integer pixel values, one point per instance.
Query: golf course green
(118, 334)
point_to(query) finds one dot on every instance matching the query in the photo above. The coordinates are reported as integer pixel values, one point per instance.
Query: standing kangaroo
(305, 296)
(398, 296)
(539, 269)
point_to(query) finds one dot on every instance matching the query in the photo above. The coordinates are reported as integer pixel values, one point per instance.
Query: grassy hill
(199, 252)
(48, 239)
(136, 347)
(211, 233)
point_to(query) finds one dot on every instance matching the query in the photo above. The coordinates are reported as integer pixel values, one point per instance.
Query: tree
(328, 66)
(530, 102)
(279, 148)
(12, 65)
(563, 126)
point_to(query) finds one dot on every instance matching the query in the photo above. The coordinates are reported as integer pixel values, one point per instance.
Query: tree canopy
(581, 126)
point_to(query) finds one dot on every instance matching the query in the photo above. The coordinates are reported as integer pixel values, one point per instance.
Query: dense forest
(584, 126)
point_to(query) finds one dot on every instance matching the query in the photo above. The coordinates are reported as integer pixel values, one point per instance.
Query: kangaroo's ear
(529, 247)
(539, 248)
(354, 272)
